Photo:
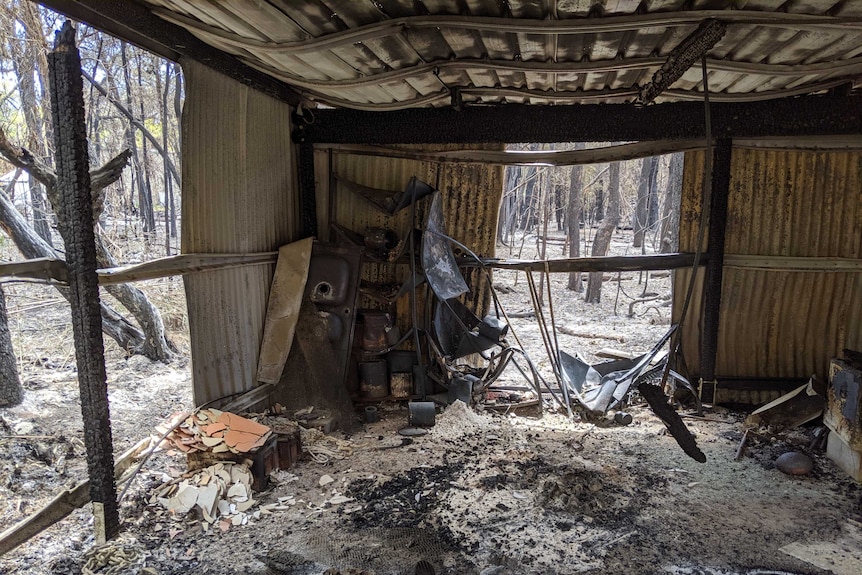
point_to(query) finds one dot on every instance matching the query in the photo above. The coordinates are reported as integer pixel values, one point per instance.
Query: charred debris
(444, 350)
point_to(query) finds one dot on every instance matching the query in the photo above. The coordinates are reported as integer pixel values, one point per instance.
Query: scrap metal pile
(462, 354)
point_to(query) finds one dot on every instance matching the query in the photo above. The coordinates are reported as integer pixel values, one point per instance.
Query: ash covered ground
(483, 493)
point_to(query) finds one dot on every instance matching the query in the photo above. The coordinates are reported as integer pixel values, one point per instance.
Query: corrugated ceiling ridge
(400, 36)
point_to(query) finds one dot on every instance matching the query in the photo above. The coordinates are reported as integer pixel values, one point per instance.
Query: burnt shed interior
(300, 114)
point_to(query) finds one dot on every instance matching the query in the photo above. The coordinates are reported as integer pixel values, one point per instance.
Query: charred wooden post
(715, 263)
(307, 192)
(76, 227)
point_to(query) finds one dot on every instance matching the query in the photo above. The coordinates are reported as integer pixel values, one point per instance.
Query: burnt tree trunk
(652, 212)
(178, 114)
(153, 342)
(147, 212)
(132, 143)
(11, 392)
(640, 221)
(526, 217)
(24, 61)
(166, 181)
(670, 214)
(506, 203)
(76, 227)
(559, 214)
(602, 241)
(600, 203)
(576, 177)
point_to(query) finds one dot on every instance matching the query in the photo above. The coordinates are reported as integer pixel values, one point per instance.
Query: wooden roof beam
(513, 123)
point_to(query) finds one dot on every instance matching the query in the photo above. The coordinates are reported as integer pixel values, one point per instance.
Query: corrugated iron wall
(471, 194)
(780, 323)
(239, 196)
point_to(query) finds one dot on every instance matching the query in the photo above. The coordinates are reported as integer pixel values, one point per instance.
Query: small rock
(794, 463)
(24, 428)
(325, 480)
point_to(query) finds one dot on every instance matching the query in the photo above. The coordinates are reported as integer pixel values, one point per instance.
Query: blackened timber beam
(76, 227)
(307, 191)
(134, 22)
(513, 123)
(715, 265)
(596, 264)
(777, 384)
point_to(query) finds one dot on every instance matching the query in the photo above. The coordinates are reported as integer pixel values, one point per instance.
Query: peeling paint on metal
(780, 323)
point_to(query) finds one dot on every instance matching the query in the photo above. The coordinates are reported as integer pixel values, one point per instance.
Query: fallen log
(589, 335)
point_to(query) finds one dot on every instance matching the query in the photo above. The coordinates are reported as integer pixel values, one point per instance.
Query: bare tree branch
(137, 123)
(100, 178)
(156, 344)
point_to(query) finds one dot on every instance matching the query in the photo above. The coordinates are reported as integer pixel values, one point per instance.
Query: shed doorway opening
(621, 208)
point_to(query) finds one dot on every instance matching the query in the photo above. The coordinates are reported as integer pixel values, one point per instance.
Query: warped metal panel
(470, 196)
(401, 53)
(780, 322)
(239, 196)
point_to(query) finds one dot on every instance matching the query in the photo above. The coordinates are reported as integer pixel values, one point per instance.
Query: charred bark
(147, 210)
(77, 228)
(658, 402)
(670, 214)
(602, 241)
(178, 114)
(600, 203)
(641, 221)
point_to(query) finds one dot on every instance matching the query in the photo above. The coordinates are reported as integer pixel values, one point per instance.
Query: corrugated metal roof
(781, 322)
(239, 197)
(388, 54)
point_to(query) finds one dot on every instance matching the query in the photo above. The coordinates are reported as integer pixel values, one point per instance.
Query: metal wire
(704, 217)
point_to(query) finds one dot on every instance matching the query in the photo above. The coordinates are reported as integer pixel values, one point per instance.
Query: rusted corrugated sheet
(239, 196)
(781, 323)
(471, 194)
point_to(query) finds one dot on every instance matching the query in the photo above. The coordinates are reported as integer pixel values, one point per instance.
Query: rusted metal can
(421, 413)
(373, 382)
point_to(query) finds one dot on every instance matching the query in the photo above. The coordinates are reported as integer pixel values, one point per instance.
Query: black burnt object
(371, 415)
(657, 401)
(514, 123)
(75, 220)
(386, 201)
